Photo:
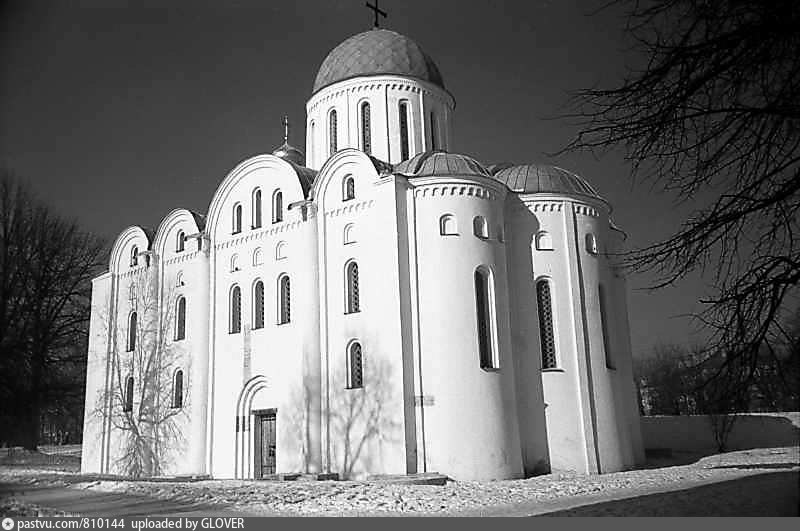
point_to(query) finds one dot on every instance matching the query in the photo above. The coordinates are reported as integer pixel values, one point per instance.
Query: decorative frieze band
(545, 206)
(350, 208)
(259, 234)
(457, 189)
(585, 210)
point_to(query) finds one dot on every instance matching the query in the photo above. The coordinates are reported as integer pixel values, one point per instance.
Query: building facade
(379, 305)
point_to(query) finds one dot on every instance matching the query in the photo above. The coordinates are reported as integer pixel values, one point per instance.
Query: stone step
(427, 478)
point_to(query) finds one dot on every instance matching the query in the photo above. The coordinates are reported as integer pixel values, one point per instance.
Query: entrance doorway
(264, 442)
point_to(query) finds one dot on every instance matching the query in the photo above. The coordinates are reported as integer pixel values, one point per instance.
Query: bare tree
(149, 418)
(715, 112)
(46, 265)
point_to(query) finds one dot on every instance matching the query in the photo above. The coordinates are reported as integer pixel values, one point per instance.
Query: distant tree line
(691, 381)
(46, 267)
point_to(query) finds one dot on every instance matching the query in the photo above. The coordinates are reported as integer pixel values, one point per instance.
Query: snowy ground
(456, 497)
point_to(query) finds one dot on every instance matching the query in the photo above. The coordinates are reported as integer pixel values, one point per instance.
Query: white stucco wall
(383, 93)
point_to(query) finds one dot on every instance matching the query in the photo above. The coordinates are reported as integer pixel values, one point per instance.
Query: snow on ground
(361, 498)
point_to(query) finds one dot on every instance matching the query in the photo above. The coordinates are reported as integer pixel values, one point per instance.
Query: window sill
(490, 369)
(352, 313)
(286, 323)
(553, 369)
(611, 368)
(354, 388)
(449, 234)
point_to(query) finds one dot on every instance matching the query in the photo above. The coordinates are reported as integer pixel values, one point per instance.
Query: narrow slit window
(546, 334)
(128, 398)
(180, 325)
(285, 300)
(601, 294)
(180, 242)
(257, 209)
(591, 244)
(349, 188)
(235, 310)
(332, 133)
(177, 390)
(434, 125)
(485, 314)
(404, 143)
(355, 368)
(258, 305)
(132, 326)
(353, 303)
(366, 131)
(480, 227)
(134, 256)
(277, 206)
(237, 219)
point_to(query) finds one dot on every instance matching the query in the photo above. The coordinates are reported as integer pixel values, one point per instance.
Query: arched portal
(249, 425)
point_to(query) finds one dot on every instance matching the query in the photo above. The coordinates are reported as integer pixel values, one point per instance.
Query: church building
(378, 304)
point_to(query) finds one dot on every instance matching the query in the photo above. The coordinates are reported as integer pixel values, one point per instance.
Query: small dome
(432, 163)
(541, 178)
(290, 153)
(375, 52)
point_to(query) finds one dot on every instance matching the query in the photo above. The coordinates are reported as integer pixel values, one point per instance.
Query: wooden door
(265, 437)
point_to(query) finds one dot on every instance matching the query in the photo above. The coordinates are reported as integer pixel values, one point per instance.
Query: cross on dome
(378, 11)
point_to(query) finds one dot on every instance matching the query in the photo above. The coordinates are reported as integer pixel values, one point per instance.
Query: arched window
(312, 141)
(258, 258)
(277, 206)
(485, 313)
(134, 256)
(235, 310)
(235, 263)
(132, 325)
(127, 399)
(434, 132)
(179, 279)
(448, 226)
(349, 233)
(601, 294)
(180, 323)
(355, 367)
(332, 132)
(177, 389)
(480, 227)
(544, 242)
(403, 110)
(348, 188)
(280, 250)
(237, 218)
(546, 333)
(132, 293)
(500, 234)
(257, 208)
(258, 305)
(284, 299)
(180, 241)
(591, 243)
(352, 303)
(366, 131)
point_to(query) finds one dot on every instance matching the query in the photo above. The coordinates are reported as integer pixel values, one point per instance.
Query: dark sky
(118, 112)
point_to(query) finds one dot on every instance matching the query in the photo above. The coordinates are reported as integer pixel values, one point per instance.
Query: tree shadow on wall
(147, 427)
(361, 421)
(299, 428)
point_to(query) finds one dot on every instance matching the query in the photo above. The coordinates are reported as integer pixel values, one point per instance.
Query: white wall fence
(695, 433)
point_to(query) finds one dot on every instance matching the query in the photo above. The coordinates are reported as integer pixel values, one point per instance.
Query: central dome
(375, 52)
